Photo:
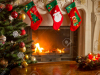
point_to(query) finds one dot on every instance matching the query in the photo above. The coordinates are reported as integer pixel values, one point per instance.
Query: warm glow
(42, 51)
(60, 51)
(90, 53)
(38, 48)
(58, 29)
(94, 58)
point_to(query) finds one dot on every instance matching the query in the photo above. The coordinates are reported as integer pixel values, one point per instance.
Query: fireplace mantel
(40, 4)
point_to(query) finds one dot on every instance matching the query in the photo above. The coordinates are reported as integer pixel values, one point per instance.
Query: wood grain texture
(53, 68)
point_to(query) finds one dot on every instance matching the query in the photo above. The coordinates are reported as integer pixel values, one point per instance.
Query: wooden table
(53, 68)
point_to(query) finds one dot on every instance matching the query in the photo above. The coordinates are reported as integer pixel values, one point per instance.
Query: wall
(85, 10)
(96, 26)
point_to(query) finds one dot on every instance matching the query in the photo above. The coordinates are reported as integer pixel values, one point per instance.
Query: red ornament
(9, 7)
(23, 32)
(22, 44)
(33, 46)
(14, 14)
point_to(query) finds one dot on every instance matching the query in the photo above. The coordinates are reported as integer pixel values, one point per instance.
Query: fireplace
(54, 45)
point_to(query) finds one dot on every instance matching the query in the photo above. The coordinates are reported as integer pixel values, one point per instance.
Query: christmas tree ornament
(19, 16)
(14, 44)
(12, 41)
(23, 16)
(33, 58)
(20, 55)
(2, 39)
(33, 46)
(23, 32)
(74, 16)
(15, 34)
(9, 7)
(55, 13)
(3, 63)
(24, 64)
(34, 15)
(14, 14)
(22, 44)
(11, 18)
(26, 56)
(2, 5)
(22, 49)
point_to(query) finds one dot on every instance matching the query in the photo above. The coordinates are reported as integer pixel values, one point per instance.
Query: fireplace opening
(54, 45)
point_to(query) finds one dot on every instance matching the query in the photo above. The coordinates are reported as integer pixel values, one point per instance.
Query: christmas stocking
(34, 15)
(55, 13)
(74, 16)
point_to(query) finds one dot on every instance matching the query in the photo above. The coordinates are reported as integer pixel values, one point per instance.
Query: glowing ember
(38, 48)
(60, 51)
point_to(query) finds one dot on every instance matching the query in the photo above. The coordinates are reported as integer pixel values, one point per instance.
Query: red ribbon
(73, 0)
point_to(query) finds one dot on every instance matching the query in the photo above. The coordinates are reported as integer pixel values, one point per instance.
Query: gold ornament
(23, 16)
(22, 49)
(24, 64)
(33, 58)
(3, 63)
(26, 56)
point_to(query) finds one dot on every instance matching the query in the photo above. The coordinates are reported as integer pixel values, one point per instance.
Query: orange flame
(60, 51)
(41, 50)
(38, 48)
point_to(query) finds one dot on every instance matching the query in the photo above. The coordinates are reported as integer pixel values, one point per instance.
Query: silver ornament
(11, 18)
(20, 55)
(15, 34)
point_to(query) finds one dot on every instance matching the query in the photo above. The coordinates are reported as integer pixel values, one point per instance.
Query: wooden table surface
(53, 68)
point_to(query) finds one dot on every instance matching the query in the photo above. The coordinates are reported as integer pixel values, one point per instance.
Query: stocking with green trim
(74, 16)
(34, 15)
(55, 13)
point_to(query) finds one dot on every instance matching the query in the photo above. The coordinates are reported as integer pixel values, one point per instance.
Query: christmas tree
(14, 47)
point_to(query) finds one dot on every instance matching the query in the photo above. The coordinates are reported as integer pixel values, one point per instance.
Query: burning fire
(38, 49)
(60, 51)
